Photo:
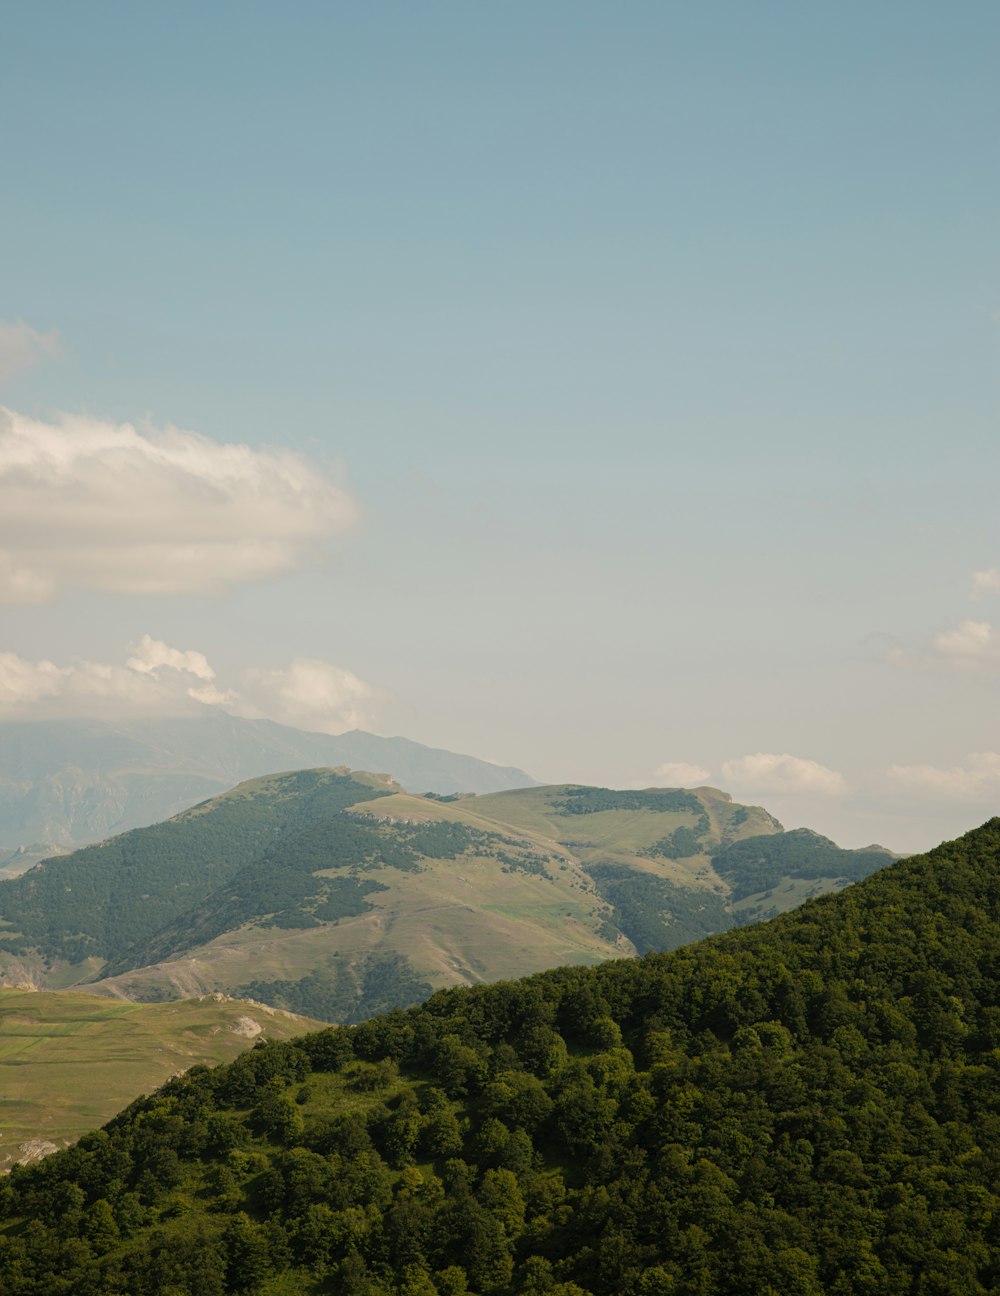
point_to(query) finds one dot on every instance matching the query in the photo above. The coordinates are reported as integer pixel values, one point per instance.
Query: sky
(608, 390)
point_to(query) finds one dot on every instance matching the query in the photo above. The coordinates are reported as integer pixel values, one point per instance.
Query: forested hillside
(807, 1107)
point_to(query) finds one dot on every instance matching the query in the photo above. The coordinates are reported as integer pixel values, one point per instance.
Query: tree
(246, 1252)
(100, 1228)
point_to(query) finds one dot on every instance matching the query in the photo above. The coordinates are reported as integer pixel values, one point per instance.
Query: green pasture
(69, 1061)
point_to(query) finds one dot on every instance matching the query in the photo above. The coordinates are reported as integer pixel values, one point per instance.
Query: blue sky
(657, 347)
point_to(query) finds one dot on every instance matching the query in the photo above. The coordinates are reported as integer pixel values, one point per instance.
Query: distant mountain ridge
(64, 783)
(336, 894)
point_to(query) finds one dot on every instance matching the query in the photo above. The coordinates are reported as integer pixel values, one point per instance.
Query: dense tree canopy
(804, 1108)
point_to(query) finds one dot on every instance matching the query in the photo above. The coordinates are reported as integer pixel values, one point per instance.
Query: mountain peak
(69, 782)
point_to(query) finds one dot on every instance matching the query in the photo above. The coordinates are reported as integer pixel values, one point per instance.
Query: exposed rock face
(34, 1150)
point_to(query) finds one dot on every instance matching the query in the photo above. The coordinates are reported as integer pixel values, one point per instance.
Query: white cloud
(22, 347)
(157, 679)
(977, 778)
(682, 774)
(24, 683)
(108, 507)
(309, 694)
(969, 641)
(34, 689)
(985, 582)
(149, 654)
(970, 645)
(771, 772)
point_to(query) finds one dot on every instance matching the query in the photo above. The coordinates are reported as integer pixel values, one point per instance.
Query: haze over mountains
(337, 894)
(67, 782)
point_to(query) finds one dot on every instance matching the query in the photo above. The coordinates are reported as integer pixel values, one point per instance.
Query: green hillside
(339, 896)
(806, 1107)
(69, 1061)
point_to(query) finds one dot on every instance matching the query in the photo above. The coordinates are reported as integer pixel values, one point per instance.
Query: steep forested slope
(808, 1107)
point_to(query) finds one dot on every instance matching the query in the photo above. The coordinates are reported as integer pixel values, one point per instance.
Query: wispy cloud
(985, 582)
(969, 645)
(977, 778)
(782, 773)
(110, 507)
(22, 347)
(969, 641)
(157, 679)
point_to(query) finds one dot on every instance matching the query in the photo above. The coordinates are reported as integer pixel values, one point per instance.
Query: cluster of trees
(344, 990)
(683, 842)
(805, 1108)
(656, 914)
(757, 864)
(595, 800)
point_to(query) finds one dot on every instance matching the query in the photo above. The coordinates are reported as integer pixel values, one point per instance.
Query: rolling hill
(64, 783)
(805, 1107)
(338, 895)
(69, 1061)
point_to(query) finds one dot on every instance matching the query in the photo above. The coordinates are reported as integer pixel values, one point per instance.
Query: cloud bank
(977, 778)
(108, 507)
(157, 679)
(682, 774)
(22, 347)
(783, 773)
(305, 690)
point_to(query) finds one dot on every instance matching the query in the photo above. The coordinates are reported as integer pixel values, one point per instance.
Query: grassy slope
(615, 834)
(464, 920)
(458, 920)
(543, 887)
(69, 1061)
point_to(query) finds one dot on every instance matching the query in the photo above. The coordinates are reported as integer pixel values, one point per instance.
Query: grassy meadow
(69, 1061)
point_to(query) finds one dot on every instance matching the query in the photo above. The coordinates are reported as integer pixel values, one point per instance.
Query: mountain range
(64, 783)
(338, 894)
